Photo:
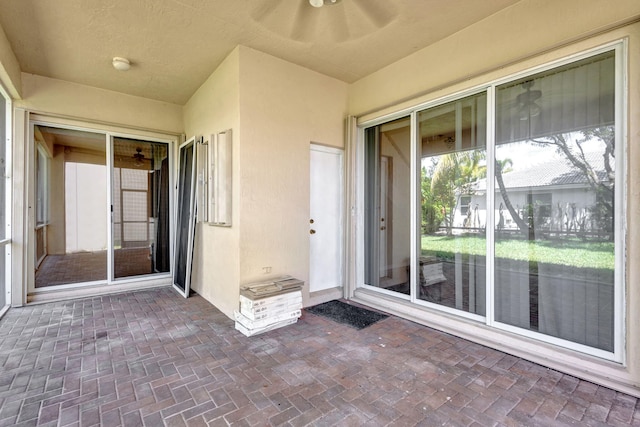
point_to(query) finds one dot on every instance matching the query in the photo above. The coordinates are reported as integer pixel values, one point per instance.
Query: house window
(516, 188)
(464, 205)
(538, 210)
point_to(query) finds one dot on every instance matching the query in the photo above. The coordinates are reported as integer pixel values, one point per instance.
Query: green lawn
(574, 252)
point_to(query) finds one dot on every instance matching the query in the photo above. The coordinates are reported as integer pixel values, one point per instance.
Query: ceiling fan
(321, 20)
(320, 3)
(138, 157)
(526, 101)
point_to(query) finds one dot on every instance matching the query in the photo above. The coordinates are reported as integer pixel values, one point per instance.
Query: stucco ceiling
(174, 45)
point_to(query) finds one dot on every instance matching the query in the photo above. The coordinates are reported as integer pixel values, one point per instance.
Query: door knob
(312, 231)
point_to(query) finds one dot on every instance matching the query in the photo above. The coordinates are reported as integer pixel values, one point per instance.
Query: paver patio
(152, 358)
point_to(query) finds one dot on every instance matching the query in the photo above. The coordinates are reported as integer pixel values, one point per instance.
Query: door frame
(340, 185)
(30, 293)
(190, 144)
(385, 213)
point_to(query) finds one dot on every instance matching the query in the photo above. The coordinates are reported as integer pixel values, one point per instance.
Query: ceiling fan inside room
(138, 158)
(526, 101)
(316, 21)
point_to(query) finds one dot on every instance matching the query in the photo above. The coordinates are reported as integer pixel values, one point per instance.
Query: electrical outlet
(266, 270)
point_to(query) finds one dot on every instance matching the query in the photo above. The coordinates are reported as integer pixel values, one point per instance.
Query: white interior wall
(85, 207)
(56, 231)
(398, 221)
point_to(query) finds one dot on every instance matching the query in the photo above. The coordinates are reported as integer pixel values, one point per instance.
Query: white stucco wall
(283, 108)
(528, 34)
(45, 95)
(487, 48)
(275, 109)
(215, 107)
(10, 75)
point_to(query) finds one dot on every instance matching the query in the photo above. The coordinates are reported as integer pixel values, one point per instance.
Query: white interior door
(326, 221)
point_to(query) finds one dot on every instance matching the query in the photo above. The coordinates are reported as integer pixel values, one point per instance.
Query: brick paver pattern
(152, 358)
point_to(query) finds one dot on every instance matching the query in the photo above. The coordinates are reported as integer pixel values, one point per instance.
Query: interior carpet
(351, 315)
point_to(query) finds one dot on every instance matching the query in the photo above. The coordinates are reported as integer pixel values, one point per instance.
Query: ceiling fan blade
(266, 9)
(378, 13)
(340, 27)
(304, 23)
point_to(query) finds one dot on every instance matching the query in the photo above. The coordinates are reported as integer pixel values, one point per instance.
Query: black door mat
(351, 315)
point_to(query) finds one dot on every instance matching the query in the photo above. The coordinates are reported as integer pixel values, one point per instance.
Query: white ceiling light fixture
(320, 3)
(121, 64)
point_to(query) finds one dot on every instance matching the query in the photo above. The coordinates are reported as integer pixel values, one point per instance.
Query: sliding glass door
(506, 205)
(140, 194)
(387, 221)
(555, 175)
(71, 239)
(452, 262)
(5, 200)
(101, 207)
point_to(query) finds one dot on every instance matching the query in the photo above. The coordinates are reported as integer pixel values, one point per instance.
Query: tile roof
(554, 171)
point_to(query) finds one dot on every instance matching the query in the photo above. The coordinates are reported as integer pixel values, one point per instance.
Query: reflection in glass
(453, 160)
(554, 203)
(140, 207)
(387, 201)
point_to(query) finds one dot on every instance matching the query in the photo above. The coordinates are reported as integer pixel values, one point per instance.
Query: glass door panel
(140, 198)
(555, 180)
(388, 206)
(5, 206)
(71, 206)
(452, 262)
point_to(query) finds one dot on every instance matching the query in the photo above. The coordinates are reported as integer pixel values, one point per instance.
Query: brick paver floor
(153, 358)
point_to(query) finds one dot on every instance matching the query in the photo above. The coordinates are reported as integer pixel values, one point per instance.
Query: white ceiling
(174, 45)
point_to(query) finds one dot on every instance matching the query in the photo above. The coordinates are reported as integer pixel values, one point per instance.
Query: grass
(568, 252)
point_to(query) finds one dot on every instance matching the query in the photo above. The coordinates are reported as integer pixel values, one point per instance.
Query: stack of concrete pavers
(269, 305)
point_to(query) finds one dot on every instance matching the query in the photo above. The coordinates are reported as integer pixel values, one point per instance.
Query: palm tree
(443, 186)
(454, 175)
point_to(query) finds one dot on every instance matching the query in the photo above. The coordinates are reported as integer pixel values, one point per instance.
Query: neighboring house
(552, 193)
